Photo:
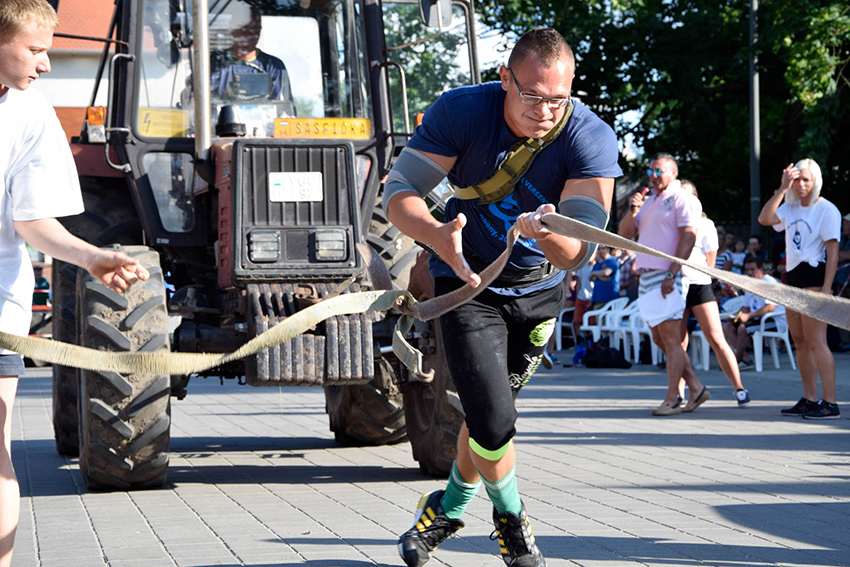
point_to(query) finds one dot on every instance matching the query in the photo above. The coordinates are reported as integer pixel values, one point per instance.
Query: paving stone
(256, 479)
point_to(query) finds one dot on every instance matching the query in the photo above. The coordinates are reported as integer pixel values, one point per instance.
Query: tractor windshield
(290, 68)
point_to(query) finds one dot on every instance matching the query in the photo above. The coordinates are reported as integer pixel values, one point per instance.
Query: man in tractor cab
(38, 182)
(244, 72)
(495, 342)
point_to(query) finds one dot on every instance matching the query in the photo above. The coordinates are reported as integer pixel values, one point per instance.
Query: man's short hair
(755, 260)
(15, 15)
(757, 237)
(666, 156)
(546, 45)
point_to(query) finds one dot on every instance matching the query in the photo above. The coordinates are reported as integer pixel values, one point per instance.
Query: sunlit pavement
(256, 479)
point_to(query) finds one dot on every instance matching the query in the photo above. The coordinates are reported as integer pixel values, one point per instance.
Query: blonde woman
(702, 303)
(812, 228)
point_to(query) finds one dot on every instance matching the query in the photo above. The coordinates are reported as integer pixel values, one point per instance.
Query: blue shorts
(11, 365)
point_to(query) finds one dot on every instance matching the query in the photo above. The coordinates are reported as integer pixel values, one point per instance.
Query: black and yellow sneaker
(516, 542)
(430, 528)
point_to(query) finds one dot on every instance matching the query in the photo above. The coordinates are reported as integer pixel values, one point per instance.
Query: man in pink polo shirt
(666, 220)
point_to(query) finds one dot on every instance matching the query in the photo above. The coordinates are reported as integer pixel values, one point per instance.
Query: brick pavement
(256, 479)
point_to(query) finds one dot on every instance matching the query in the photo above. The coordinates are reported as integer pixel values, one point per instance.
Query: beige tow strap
(827, 308)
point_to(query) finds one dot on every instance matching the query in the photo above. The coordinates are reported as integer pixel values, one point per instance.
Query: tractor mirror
(436, 13)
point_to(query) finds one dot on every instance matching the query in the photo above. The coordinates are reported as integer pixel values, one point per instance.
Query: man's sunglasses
(656, 172)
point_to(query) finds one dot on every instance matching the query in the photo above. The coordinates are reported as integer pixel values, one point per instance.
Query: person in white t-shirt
(38, 182)
(703, 304)
(748, 321)
(812, 228)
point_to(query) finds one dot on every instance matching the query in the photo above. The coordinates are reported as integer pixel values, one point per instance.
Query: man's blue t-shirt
(469, 122)
(606, 291)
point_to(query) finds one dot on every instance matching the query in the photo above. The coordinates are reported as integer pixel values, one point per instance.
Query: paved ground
(256, 479)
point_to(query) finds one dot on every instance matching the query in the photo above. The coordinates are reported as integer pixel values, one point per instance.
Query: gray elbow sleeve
(412, 171)
(589, 211)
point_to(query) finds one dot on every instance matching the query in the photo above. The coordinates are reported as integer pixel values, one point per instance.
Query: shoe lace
(516, 537)
(440, 529)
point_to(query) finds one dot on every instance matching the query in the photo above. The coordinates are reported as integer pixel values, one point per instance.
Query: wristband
(669, 275)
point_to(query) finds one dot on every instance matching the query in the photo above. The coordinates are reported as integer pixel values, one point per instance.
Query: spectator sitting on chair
(739, 254)
(584, 292)
(738, 331)
(755, 248)
(605, 277)
(842, 276)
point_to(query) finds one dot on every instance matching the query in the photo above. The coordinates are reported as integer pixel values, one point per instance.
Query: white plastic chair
(560, 327)
(639, 327)
(596, 329)
(732, 306)
(699, 349)
(615, 324)
(758, 344)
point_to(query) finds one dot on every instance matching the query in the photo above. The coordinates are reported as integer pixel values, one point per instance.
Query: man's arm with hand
(409, 213)
(113, 268)
(562, 251)
(687, 239)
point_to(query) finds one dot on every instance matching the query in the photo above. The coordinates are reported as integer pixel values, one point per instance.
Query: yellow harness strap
(514, 165)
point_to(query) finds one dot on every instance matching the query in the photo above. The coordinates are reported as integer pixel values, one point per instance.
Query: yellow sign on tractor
(323, 128)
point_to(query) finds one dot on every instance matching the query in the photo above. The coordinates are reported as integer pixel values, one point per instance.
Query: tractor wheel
(396, 250)
(125, 420)
(434, 415)
(109, 219)
(373, 414)
(65, 386)
(367, 414)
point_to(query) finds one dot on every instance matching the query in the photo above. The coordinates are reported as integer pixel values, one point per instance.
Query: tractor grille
(295, 210)
(337, 352)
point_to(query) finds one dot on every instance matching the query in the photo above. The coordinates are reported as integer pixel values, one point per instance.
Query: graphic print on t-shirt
(797, 238)
(507, 210)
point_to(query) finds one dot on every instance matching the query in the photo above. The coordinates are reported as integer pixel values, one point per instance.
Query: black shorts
(699, 294)
(11, 365)
(493, 346)
(804, 275)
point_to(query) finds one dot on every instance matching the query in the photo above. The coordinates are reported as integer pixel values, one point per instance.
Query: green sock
(458, 494)
(504, 494)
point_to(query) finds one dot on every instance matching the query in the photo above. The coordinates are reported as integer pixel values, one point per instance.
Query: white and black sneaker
(743, 398)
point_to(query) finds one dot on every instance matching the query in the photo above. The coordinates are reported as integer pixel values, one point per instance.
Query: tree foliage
(431, 66)
(680, 68)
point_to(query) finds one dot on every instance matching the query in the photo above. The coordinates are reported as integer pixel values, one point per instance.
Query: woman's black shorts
(699, 294)
(804, 275)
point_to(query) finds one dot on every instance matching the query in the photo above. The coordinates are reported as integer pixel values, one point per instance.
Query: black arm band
(589, 211)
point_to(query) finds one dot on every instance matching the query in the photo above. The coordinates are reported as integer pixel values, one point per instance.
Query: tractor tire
(373, 413)
(65, 386)
(434, 414)
(109, 219)
(125, 420)
(396, 250)
(367, 414)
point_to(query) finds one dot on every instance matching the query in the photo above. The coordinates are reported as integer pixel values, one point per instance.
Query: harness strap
(514, 165)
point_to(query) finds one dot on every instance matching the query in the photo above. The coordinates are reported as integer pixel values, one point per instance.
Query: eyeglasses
(531, 100)
(656, 172)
